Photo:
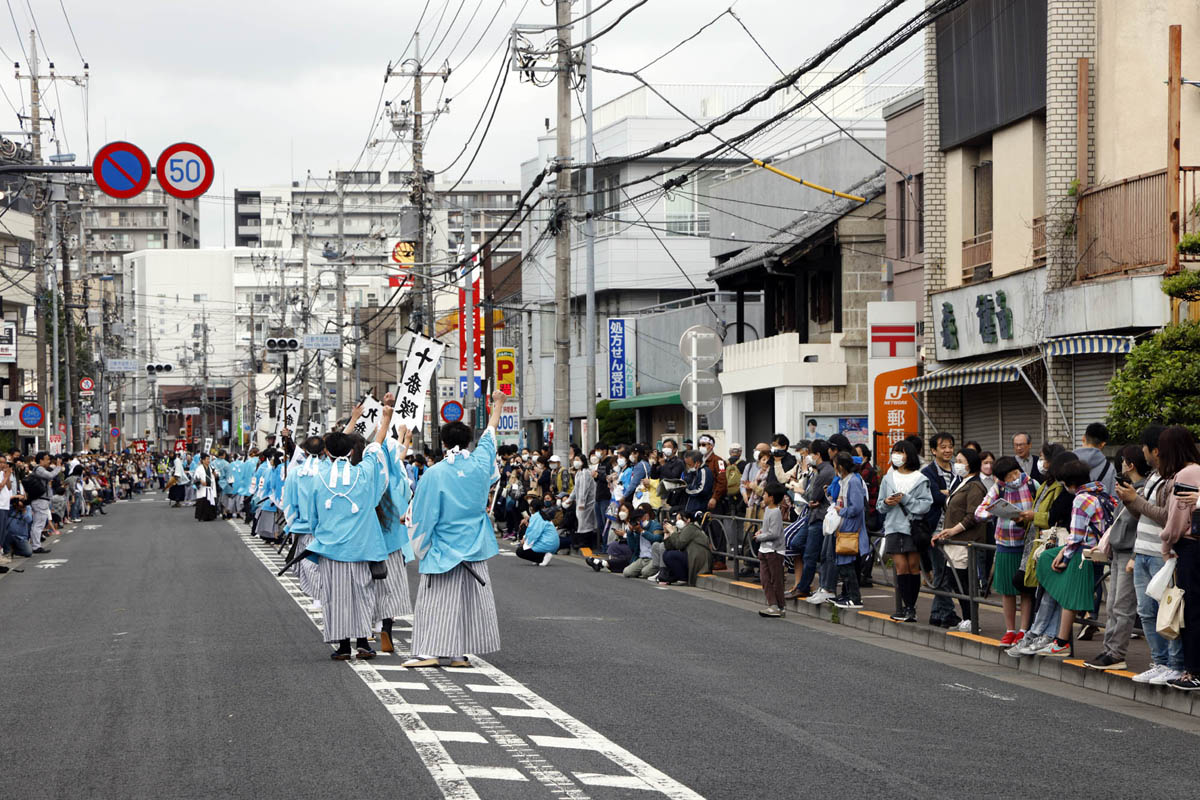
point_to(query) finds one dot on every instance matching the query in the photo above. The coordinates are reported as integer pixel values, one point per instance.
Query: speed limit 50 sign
(184, 170)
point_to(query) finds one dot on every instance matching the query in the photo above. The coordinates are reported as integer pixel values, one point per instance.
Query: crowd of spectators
(42, 495)
(1057, 534)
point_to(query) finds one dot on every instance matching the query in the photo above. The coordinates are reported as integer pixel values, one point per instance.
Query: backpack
(733, 480)
(35, 488)
(1108, 512)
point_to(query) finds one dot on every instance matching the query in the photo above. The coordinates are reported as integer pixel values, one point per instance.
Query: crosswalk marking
(518, 712)
(567, 742)
(476, 687)
(613, 781)
(494, 773)
(448, 736)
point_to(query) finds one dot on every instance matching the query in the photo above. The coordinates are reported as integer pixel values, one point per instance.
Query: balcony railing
(977, 258)
(1189, 208)
(1039, 242)
(1122, 226)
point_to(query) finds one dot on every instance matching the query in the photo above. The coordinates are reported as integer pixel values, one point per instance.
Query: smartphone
(1123, 480)
(1183, 488)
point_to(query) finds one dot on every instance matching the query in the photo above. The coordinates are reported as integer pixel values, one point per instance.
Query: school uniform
(452, 536)
(346, 536)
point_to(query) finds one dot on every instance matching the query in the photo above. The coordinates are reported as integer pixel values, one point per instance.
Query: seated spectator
(16, 536)
(687, 554)
(620, 554)
(541, 540)
(645, 531)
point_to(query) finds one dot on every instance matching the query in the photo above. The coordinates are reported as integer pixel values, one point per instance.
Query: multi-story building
(905, 225)
(17, 302)
(653, 248)
(1045, 207)
(152, 220)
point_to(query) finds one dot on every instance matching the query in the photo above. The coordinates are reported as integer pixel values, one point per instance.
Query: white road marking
(50, 563)
(453, 780)
(92, 527)
(960, 687)
(614, 781)
(494, 773)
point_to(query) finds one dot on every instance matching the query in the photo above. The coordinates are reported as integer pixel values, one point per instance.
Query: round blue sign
(31, 415)
(452, 411)
(115, 432)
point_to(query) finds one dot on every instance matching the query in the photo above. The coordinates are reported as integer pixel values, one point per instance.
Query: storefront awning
(1088, 344)
(648, 400)
(1000, 370)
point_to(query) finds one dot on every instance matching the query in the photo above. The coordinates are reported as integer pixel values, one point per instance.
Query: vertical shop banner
(423, 358)
(892, 359)
(622, 350)
(506, 370)
(477, 325)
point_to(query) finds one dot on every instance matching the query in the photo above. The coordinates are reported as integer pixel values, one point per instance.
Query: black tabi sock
(387, 626)
(361, 643)
(344, 646)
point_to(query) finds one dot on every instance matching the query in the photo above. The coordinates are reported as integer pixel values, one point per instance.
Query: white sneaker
(1149, 675)
(1165, 676)
(546, 559)
(818, 597)
(964, 626)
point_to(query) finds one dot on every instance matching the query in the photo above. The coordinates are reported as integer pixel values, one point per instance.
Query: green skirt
(1074, 587)
(1004, 569)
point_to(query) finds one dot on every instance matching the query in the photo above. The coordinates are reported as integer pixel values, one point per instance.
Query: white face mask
(525, 456)
(577, 464)
(668, 451)
(960, 469)
(621, 462)
(624, 515)
(1043, 467)
(705, 450)
(898, 459)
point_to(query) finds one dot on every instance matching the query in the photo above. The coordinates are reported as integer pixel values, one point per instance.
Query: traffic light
(283, 344)
(158, 369)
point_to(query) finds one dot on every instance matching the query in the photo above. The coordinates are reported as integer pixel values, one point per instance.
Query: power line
(71, 29)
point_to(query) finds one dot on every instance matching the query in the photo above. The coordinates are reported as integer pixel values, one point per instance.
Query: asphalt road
(159, 657)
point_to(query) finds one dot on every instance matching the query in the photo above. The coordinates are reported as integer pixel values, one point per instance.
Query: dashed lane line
(453, 779)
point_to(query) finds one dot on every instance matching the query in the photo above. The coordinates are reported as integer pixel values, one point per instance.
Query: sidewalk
(879, 603)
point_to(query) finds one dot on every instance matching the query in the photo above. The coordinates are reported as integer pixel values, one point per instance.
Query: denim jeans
(811, 541)
(1049, 614)
(942, 609)
(1163, 651)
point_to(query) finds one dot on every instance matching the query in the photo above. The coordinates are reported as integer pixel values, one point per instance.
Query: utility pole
(489, 336)
(307, 300)
(253, 365)
(423, 275)
(341, 293)
(52, 411)
(562, 253)
(71, 445)
(357, 357)
(589, 231)
(467, 356)
(204, 376)
(39, 232)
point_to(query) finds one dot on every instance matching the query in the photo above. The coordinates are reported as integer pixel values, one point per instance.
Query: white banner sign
(314, 428)
(288, 416)
(208, 444)
(423, 358)
(368, 421)
(8, 342)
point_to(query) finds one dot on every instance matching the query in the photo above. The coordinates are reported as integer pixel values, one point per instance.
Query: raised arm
(386, 422)
(354, 415)
(498, 398)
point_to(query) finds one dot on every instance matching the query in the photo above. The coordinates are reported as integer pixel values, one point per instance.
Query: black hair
(844, 461)
(1132, 453)
(985, 455)
(1096, 434)
(1176, 449)
(313, 445)
(41, 454)
(339, 444)
(811, 421)
(821, 448)
(360, 444)
(457, 434)
(971, 444)
(938, 438)
(776, 492)
(1151, 435)
(644, 509)
(1073, 473)
(1050, 451)
(1005, 465)
(864, 451)
(917, 443)
(974, 462)
(781, 438)
(839, 441)
(911, 462)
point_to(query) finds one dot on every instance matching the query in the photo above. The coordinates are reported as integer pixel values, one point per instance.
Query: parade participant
(346, 536)
(178, 488)
(298, 488)
(453, 538)
(264, 494)
(391, 593)
(244, 484)
(206, 491)
(189, 495)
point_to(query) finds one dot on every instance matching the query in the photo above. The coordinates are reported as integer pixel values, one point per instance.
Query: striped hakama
(347, 598)
(391, 593)
(305, 570)
(230, 503)
(454, 615)
(266, 524)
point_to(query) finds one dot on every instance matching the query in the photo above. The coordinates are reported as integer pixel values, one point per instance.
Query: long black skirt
(175, 493)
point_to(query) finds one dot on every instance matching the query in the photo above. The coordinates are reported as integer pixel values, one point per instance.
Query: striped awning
(1088, 343)
(976, 373)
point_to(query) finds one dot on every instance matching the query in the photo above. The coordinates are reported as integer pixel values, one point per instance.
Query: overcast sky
(273, 89)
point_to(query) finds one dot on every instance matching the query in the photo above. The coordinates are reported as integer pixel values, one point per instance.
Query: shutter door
(1020, 412)
(1092, 374)
(981, 416)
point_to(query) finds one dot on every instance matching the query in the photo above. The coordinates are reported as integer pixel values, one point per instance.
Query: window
(820, 295)
(200, 298)
(902, 218)
(919, 196)
(983, 198)
(389, 340)
(197, 330)
(329, 297)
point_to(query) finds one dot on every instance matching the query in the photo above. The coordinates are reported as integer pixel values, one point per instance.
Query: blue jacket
(699, 490)
(541, 535)
(298, 488)
(915, 503)
(936, 484)
(648, 536)
(396, 500)
(17, 528)
(854, 514)
(345, 525)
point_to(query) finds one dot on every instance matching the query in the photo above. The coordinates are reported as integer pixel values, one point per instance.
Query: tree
(616, 425)
(1160, 383)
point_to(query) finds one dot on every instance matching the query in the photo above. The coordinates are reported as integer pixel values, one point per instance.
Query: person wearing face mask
(959, 525)
(541, 537)
(718, 502)
(623, 473)
(699, 483)
(779, 449)
(904, 499)
(816, 498)
(1015, 487)
(583, 499)
(686, 552)
(644, 531)
(619, 554)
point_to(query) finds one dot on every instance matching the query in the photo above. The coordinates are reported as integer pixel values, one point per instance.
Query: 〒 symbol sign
(121, 170)
(184, 170)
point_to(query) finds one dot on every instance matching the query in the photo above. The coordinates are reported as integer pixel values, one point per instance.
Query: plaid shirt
(1087, 516)
(1010, 534)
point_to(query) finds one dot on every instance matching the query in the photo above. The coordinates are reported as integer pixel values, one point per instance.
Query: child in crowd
(770, 551)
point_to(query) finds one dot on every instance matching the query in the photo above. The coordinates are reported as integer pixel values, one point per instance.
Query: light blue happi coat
(342, 508)
(541, 535)
(298, 489)
(396, 500)
(450, 524)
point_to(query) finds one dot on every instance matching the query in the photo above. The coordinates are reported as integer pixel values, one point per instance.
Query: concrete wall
(905, 150)
(1131, 96)
(1018, 193)
(756, 204)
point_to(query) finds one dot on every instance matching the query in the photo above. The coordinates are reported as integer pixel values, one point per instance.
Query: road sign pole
(695, 404)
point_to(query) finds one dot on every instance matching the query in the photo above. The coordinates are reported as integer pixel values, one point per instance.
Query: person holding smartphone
(904, 496)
